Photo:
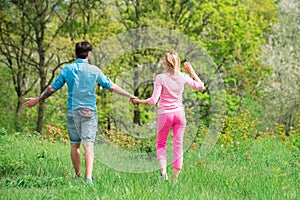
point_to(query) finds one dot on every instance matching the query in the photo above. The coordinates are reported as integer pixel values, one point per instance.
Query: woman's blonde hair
(173, 63)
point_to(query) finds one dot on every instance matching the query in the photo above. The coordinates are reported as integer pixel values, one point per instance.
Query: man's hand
(31, 102)
(133, 100)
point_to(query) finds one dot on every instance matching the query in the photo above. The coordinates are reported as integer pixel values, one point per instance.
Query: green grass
(32, 168)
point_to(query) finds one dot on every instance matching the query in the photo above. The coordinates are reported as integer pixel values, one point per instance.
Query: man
(81, 78)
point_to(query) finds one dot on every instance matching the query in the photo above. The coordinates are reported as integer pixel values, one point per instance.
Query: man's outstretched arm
(31, 102)
(116, 89)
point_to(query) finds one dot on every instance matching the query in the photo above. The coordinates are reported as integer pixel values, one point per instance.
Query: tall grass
(34, 168)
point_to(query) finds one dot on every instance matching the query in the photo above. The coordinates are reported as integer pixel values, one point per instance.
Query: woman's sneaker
(164, 177)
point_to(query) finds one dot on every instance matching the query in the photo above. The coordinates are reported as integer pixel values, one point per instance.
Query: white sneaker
(164, 177)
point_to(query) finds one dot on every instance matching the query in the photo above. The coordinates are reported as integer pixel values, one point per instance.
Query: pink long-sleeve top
(169, 88)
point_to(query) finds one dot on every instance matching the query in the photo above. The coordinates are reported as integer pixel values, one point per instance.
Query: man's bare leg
(89, 158)
(75, 157)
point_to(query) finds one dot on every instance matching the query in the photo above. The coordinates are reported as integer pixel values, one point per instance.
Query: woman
(168, 88)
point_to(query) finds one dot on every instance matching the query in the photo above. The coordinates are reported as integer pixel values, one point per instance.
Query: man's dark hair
(82, 49)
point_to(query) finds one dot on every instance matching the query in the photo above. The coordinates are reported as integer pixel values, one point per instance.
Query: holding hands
(136, 101)
(133, 100)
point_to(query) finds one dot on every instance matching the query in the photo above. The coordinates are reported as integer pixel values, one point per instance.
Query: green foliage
(240, 129)
(295, 132)
(199, 137)
(281, 96)
(233, 35)
(291, 139)
(8, 162)
(237, 129)
(231, 31)
(265, 169)
(35, 182)
(130, 143)
(20, 149)
(7, 100)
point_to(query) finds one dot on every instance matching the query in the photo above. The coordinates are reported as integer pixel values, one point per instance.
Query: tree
(38, 47)
(281, 100)
(89, 20)
(232, 32)
(16, 49)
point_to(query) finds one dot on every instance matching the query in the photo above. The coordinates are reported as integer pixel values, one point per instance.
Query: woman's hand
(188, 67)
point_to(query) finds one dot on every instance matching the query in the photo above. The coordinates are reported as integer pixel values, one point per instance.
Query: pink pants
(166, 121)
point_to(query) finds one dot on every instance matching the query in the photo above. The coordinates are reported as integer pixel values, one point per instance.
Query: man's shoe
(89, 180)
(77, 177)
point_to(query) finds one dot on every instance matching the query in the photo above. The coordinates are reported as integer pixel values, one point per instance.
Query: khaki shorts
(82, 125)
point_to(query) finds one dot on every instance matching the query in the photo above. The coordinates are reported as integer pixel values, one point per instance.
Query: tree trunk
(19, 111)
(42, 88)
(40, 116)
(136, 118)
(108, 122)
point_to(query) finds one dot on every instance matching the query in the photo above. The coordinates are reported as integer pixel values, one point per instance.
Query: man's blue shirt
(81, 78)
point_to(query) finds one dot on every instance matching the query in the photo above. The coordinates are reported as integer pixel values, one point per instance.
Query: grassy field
(33, 168)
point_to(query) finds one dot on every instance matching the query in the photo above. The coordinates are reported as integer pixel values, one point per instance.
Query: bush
(237, 129)
(56, 133)
(129, 142)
